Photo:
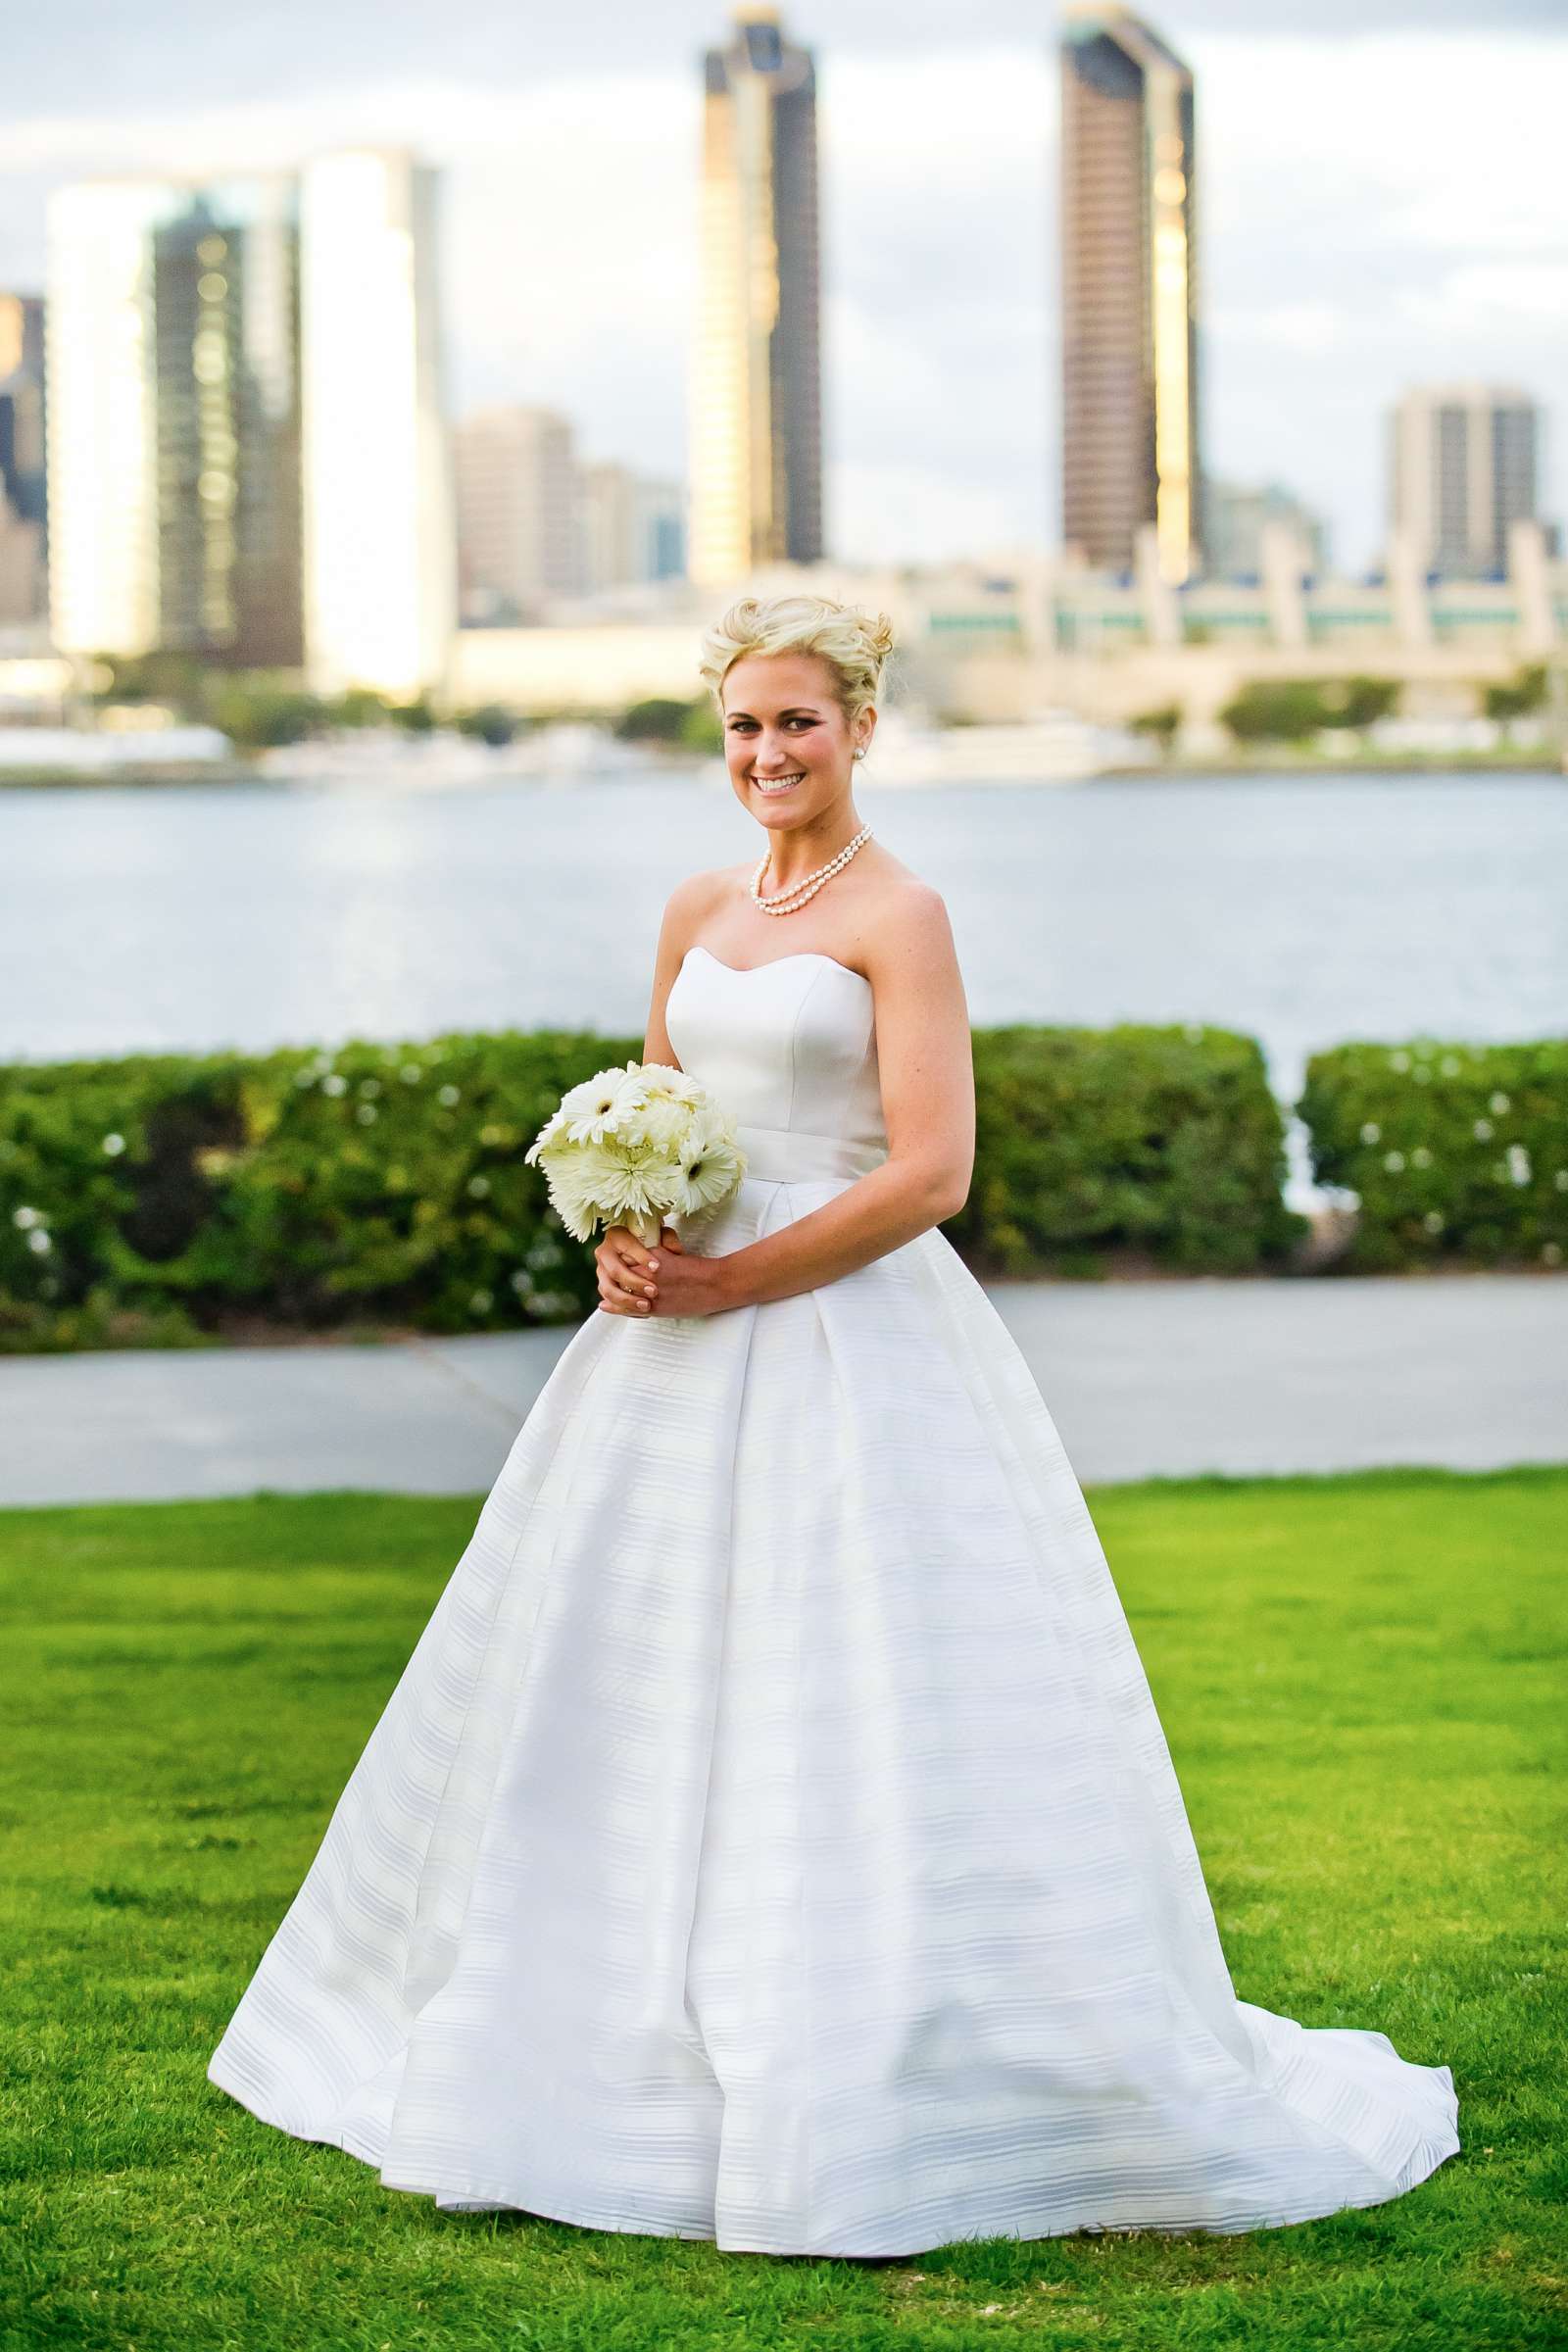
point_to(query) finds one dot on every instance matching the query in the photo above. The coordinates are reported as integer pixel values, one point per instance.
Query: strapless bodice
(788, 1048)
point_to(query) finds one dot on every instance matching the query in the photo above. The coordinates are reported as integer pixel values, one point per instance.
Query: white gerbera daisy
(598, 1107)
(665, 1084)
(636, 1146)
(710, 1167)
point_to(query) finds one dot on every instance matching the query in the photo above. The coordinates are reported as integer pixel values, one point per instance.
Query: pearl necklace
(785, 902)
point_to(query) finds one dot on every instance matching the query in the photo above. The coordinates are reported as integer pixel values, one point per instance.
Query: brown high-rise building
(1129, 339)
(757, 397)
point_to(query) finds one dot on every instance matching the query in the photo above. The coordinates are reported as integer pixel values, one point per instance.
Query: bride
(771, 1838)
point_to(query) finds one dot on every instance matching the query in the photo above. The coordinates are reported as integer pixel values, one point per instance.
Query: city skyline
(1341, 261)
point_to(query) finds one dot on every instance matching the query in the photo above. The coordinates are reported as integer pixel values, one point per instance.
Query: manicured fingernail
(653, 1264)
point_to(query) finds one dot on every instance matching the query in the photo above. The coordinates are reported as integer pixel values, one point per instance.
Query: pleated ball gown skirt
(772, 1839)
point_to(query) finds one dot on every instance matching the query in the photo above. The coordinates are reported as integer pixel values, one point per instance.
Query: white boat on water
(387, 759)
(105, 751)
(1055, 747)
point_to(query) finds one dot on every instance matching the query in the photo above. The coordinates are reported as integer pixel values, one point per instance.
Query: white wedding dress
(772, 1839)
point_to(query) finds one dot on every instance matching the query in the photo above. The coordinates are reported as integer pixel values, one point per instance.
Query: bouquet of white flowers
(636, 1146)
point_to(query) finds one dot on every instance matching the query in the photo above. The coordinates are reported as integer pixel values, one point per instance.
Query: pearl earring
(860, 751)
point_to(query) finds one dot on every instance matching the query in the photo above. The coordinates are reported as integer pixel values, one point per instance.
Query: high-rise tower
(757, 399)
(22, 463)
(518, 524)
(380, 540)
(173, 419)
(24, 502)
(247, 447)
(1465, 462)
(1129, 337)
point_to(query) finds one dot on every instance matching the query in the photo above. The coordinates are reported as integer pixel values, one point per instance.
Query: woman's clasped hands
(636, 1280)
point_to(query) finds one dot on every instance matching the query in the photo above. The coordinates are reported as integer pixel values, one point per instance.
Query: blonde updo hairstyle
(854, 645)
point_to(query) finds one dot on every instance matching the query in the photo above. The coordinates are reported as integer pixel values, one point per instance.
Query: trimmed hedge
(1164, 1145)
(165, 1200)
(1459, 1153)
(376, 1183)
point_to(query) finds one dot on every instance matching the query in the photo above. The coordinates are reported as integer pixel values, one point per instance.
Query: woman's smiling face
(787, 743)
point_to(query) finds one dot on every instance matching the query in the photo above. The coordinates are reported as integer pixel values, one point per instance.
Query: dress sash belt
(791, 1156)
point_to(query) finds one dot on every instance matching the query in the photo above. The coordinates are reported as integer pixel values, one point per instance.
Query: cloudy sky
(1383, 202)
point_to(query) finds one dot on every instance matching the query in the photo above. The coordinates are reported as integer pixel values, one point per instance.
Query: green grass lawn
(1363, 1683)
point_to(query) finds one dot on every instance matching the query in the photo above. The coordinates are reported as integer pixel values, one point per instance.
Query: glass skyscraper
(246, 440)
(1129, 333)
(22, 460)
(174, 420)
(757, 399)
(24, 502)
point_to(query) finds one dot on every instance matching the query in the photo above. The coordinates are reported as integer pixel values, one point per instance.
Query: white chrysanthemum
(661, 1123)
(638, 1189)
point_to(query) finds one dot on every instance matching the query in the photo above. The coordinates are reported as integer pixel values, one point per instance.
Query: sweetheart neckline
(744, 971)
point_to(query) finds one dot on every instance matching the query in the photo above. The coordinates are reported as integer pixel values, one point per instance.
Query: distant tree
(1358, 702)
(358, 707)
(1525, 692)
(1291, 709)
(174, 679)
(702, 729)
(415, 718)
(490, 722)
(659, 720)
(257, 715)
(1161, 725)
(1282, 710)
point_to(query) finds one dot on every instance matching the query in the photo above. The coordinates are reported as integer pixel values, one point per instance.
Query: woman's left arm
(925, 1064)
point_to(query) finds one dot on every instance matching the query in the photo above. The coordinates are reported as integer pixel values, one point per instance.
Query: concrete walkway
(1143, 1379)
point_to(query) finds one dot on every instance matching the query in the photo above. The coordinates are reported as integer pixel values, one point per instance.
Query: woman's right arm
(620, 1257)
(686, 911)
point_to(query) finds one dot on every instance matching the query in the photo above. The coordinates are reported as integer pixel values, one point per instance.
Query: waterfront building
(24, 502)
(633, 529)
(381, 551)
(1237, 518)
(756, 395)
(1464, 467)
(663, 527)
(1129, 295)
(518, 512)
(1025, 633)
(173, 419)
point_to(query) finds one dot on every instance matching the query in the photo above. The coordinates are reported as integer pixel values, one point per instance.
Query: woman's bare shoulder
(695, 899)
(907, 921)
(701, 889)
